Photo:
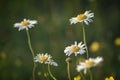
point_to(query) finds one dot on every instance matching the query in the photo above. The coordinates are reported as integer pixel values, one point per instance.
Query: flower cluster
(41, 58)
(82, 48)
(76, 48)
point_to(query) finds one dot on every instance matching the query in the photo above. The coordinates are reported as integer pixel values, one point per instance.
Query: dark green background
(53, 33)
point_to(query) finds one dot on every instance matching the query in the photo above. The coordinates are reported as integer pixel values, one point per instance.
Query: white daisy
(76, 49)
(25, 24)
(91, 62)
(45, 58)
(86, 18)
(42, 58)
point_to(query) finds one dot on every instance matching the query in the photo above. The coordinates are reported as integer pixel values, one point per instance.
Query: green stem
(30, 47)
(51, 73)
(87, 55)
(68, 70)
(84, 39)
(91, 77)
(81, 74)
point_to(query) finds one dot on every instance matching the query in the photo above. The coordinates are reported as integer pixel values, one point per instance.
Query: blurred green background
(54, 32)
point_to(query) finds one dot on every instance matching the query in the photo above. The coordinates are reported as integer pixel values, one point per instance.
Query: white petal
(79, 44)
(86, 22)
(79, 68)
(26, 28)
(24, 19)
(75, 42)
(82, 45)
(73, 20)
(76, 53)
(91, 15)
(33, 21)
(87, 12)
(90, 20)
(17, 25)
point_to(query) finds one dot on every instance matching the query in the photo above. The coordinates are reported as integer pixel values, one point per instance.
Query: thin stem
(81, 74)
(84, 39)
(68, 70)
(30, 47)
(91, 76)
(29, 43)
(87, 55)
(51, 73)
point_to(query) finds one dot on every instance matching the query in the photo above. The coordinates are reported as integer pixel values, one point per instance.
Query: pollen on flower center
(75, 48)
(24, 23)
(89, 63)
(43, 58)
(81, 17)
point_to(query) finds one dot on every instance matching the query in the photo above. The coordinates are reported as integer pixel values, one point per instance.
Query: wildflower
(117, 41)
(45, 58)
(110, 78)
(94, 46)
(25, 24)
(86, 18)
(76, 48)
(77, 78)
(89, 63)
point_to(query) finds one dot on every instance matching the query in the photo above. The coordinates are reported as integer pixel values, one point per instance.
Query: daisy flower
(86, 18)
(25, 24)
(76, 49)
(91, 62)
(45, 58)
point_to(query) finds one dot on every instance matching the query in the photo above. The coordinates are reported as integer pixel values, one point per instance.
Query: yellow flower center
(111, 78)
(24, 23)
(81, 17)
(117, 41)
(43, 58)
(89, 63)
(75, 49)
(77, 78)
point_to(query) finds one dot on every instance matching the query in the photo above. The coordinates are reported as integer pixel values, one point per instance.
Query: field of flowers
(59, 40)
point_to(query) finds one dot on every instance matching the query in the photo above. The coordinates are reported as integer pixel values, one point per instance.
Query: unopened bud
(68, 59)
